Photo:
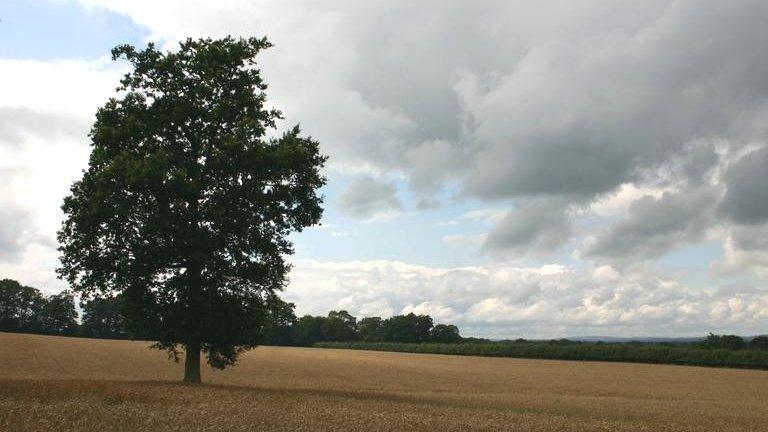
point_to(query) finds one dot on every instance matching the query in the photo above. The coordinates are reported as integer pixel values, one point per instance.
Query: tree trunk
(192, 364)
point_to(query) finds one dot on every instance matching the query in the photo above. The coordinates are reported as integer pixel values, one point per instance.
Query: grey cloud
(415, 67)
(581, 117)
(657, 225)
(427, 203)
(753, 238)
(13, 233)
(16, 123)
(569, 116)
(17, 231)
(539, 225)
(746, 200)
(614, 92)
(366, 197)
(551, 97)
(697, 163)
(512, 100)
(436, 161)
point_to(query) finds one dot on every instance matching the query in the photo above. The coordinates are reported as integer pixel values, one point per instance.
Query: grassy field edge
(628, 353)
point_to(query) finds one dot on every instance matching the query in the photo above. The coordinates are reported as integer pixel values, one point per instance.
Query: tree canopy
(25, 309)
(408, 328)
(732, 342)
(187, 203)
(103, 318)
(759, 342)
(20, 306)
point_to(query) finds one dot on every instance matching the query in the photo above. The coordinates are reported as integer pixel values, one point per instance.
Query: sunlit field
(56, 383)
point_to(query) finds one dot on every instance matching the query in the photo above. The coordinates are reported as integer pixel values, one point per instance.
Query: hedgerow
(615, 352)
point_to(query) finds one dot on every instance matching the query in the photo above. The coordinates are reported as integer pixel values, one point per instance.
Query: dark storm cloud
(746, 200)
(366, 198)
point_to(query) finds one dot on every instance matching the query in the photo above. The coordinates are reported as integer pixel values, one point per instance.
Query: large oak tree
(187, 203)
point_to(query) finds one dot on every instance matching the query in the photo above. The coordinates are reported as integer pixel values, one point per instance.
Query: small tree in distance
(186, 205)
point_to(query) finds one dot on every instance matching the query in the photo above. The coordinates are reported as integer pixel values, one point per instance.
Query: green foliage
(443, 333)
(759, 343)
(186, 206)
(649, 353)
(371, 329)
(310, 329)
(103, 318)
(408, 328)
(25, 309)
(58, 315)
(341, 326)
(280, 326)
(732, 342)
(337, 326)
(20, 307)
(476, 340)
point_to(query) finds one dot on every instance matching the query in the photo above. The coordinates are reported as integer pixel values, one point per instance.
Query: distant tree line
(733, 342)
(285, 328)
(711, 341)
(693, 354)
(25, 309)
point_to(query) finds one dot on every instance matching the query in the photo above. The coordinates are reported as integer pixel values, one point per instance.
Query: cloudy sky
(519, 168)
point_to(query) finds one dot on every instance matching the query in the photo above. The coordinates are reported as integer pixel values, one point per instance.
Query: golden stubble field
(60, 384)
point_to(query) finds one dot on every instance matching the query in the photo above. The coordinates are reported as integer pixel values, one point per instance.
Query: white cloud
(739, 260)
(440, 313)
(617, 202)
(47, 108)
(545, 301)
(475, 240)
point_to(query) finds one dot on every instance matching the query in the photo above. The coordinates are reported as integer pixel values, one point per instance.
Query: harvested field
(57, 384)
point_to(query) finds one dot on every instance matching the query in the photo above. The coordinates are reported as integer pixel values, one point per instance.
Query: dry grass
(58, 384)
